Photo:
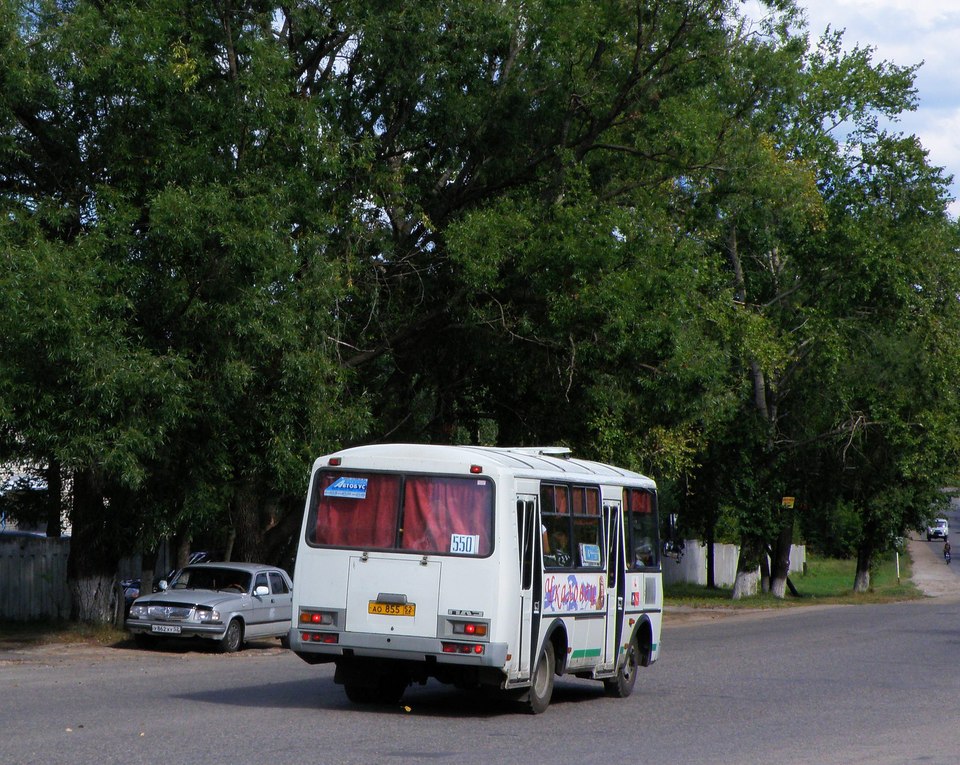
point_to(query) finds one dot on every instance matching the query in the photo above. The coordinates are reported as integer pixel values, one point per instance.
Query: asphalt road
(848, 684)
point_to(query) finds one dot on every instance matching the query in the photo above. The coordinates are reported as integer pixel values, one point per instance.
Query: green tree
(164, 230)
(520, 208)
(793, 220)
(894, 427)
(236, 234)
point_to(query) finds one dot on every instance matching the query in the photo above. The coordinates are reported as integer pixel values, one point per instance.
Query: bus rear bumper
(401, 648)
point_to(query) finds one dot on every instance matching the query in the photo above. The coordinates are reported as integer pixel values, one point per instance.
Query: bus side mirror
(673, 549)
(672, 545)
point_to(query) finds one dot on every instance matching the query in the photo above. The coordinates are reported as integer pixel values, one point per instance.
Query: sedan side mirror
(163, 585)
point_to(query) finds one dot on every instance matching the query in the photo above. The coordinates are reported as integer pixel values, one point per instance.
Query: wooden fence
(33, 578)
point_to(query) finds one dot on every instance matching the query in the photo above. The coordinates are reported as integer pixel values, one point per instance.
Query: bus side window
(588, 534)
(555, 533)
(643, 543)
(611, 514)
(526, 531)
(556, 543)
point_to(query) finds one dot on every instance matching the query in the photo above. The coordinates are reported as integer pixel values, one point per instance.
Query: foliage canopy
(236, 235)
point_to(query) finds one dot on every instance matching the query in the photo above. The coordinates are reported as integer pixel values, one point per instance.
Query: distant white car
(939, 529)
(225, 602)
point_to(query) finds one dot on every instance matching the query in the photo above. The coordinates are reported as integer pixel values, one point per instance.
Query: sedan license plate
(392, 609)
(169, 629)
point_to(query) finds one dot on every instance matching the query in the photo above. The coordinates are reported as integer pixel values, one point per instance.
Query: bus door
(613, 521)
(528, 527)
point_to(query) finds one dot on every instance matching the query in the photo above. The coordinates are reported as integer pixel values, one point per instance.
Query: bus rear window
(447, 515)
(422, 514)
(355, 510)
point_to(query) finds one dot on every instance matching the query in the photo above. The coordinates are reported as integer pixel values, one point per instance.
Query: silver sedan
(229, 603)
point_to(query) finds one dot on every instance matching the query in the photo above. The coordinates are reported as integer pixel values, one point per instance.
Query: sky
(907, 32)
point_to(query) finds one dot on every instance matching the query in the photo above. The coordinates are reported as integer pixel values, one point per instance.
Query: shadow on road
(431, 700)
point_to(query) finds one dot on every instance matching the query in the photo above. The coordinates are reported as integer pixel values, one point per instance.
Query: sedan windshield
(212, 579)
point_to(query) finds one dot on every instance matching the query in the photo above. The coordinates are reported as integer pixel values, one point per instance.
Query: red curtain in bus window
(435, 509)
(640, 502)
(555, 499)
(586, 500)
(367, 514)
(578, 493)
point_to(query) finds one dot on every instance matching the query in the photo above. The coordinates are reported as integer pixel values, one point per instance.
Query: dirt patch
(53, 653)
(932, 576)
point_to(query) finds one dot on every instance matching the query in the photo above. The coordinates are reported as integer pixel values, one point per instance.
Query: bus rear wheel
(541, 689)
(622, 685)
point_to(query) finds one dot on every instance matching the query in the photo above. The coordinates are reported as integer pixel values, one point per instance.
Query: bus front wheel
(541, 689)
(622, 685)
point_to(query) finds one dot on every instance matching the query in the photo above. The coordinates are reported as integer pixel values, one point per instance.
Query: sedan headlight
(208, 615)
(138, 612)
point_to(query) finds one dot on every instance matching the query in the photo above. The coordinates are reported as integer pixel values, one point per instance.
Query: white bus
(477, 566)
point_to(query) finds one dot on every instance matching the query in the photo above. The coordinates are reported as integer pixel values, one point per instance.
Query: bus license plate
(392, 609)
(171, 629)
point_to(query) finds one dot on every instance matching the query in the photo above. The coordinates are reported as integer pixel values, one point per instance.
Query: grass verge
(19, 634)
(825, 580)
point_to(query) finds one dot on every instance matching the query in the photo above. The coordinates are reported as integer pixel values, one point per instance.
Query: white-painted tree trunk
(778, 587)
(746, 584)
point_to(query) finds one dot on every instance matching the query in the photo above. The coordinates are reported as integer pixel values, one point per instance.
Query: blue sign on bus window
(350, 488)
(590, 555)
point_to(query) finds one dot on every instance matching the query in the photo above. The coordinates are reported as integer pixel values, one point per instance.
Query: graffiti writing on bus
(569, 592)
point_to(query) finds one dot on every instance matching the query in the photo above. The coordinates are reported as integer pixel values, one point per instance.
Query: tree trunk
(119, 605)
(92, 565)
(281, 540)
(231, 540)
(245, 508)
(148, 569)
(183, 550)
(780, 560)
(93, 597)
(861, 582)
(711, 555)
(745, 585)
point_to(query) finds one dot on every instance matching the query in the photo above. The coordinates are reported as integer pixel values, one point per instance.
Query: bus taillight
(327, 618)
(319, 637)
(462, 648)
(470, 628)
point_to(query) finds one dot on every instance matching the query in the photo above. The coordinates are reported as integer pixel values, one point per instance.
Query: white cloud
(909, 32)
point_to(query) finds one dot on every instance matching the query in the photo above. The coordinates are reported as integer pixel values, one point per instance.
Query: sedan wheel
(233, 638)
